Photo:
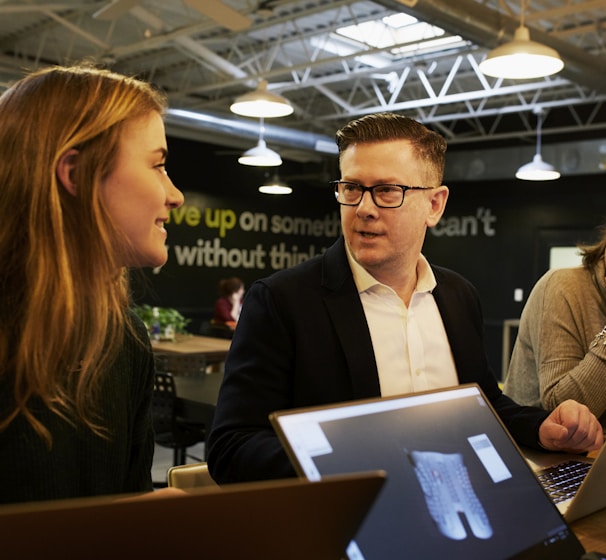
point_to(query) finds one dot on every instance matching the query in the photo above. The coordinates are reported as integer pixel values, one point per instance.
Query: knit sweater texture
(80, 463)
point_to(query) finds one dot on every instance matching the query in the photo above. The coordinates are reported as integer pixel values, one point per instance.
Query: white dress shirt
(411, 348)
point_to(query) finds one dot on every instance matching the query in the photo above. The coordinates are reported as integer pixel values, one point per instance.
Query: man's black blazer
(302, 340)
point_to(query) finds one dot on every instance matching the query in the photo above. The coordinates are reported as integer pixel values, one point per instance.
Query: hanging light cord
(522, 10)
(539, 126)
(261, 129)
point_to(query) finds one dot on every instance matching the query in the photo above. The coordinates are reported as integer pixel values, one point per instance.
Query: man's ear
(439, 196)
(65, 168)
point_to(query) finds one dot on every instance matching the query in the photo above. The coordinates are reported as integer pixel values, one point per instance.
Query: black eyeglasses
(384, 196)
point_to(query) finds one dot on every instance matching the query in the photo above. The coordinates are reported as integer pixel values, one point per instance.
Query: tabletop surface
(193, 344)
(591, 531)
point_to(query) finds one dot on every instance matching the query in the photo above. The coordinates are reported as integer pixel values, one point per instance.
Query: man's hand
(571, 428)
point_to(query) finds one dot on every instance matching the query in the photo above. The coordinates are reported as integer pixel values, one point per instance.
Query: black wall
(497, 234)
(510, 249)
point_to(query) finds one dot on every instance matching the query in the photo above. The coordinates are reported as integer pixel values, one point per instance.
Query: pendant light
(260, 155)
(262, 103)
(537, 169)
(275, 186)
(522, 58)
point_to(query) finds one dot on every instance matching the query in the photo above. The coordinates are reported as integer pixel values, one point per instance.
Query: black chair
(181, 364)
(216, 330)
(170, 429)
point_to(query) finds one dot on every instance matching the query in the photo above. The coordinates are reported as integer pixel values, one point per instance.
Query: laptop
(576, 484)
(294, 519)
(457, 485)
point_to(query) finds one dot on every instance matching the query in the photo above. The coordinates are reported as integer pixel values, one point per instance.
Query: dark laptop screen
(457, 486)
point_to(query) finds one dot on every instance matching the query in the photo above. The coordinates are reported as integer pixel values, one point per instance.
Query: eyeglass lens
(388, 196)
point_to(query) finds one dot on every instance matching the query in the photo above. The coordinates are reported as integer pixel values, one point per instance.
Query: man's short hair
(429, 146)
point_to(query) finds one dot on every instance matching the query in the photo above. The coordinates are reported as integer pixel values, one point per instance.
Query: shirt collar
(426, 281)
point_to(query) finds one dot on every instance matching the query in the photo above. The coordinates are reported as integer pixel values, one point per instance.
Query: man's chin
(367, 258)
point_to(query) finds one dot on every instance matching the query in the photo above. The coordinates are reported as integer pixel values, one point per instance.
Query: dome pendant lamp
(260, 155)
(261, 103)
(275, 186)
(522, 58)
(537, 169)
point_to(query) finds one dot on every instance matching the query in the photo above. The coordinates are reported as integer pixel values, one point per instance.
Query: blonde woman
(84, 195)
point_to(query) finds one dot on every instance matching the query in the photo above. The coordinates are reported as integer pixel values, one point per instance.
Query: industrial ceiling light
(537, 169)
(260, 155)
(275, 186)
(261, 103)
(522, 58)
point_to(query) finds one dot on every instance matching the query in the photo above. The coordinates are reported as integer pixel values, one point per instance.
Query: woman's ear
(65, 168)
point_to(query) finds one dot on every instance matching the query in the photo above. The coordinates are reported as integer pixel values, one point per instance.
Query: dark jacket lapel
(347, 315)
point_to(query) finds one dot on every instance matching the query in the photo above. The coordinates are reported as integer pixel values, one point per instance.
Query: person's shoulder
(447, 275)
(139, 328)
(569, 273)
(333, 257)
(291, 274)
(136, 322)
(563, 279)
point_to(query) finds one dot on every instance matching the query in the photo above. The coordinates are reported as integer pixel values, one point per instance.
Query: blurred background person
(228, 306)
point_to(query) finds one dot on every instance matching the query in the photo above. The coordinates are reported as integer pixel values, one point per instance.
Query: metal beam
(488, 28)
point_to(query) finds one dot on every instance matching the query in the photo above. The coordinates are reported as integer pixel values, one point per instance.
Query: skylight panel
(410, 34)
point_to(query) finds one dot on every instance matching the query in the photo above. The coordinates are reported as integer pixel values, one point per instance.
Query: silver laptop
(576, 484)
(457, 485)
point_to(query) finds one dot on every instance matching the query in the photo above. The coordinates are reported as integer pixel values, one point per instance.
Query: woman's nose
(174, 197)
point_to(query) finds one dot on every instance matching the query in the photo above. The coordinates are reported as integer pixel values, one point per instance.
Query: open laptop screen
(457, 485)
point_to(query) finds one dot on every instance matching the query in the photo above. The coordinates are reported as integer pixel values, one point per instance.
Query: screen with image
(457, 486)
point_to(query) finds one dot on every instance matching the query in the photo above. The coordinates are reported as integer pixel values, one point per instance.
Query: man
(368, 318)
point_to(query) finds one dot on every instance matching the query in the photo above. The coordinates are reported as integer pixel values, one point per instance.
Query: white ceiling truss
(294, 45)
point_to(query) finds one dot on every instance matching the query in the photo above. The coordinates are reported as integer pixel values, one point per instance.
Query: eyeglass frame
(335, 184)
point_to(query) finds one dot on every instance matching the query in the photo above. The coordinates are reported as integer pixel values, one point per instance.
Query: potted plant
(162, 322)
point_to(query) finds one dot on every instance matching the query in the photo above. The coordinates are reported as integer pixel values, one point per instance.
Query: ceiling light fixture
(275, 186)
(522, 58)
(262, 103)
(260, 155)
(537, 169)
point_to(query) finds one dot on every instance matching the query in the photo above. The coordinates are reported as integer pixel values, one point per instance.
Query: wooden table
(214, 349)
(591, 531)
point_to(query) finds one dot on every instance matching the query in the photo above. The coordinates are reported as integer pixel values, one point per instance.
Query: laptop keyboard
(562, 481)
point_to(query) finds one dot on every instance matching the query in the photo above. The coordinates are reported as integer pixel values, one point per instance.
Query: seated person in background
(229, 304)
(560, 350)
(370, 317)
(85, 195)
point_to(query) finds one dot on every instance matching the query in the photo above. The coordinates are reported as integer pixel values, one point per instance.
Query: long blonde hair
(64, 295)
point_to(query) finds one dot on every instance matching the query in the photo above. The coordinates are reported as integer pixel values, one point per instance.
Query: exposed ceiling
(204, 53)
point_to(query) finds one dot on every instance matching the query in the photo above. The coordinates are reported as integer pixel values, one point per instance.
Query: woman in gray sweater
(560, 350)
